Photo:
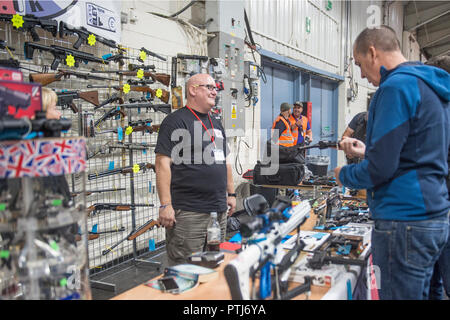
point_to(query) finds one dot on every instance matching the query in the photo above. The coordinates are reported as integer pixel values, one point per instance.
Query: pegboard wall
(110, 145)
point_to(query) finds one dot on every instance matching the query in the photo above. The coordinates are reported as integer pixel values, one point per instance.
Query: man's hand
(167, 216)
(337, 170)
(352, 147)
(231, 201)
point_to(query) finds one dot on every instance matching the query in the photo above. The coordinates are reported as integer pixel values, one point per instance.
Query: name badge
(219, 155)
(218, 133)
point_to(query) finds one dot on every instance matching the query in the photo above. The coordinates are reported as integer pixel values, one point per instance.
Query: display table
(217, 289)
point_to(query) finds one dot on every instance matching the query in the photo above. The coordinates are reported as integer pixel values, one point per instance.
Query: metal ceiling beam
(417, 19)
(432, 37)
(438, 50)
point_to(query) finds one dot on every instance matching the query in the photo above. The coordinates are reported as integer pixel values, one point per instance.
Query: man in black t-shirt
(193, 177)
(356, 129)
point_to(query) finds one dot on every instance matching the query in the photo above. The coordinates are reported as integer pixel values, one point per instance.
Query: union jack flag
(42, 157)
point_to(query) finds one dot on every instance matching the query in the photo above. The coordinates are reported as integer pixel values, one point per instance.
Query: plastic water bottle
(296, 200)
(213, 234)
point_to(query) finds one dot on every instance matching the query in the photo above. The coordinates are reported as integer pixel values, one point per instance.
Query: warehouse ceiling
(430, 20)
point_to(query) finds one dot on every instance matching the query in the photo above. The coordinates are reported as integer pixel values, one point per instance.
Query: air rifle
(50, 127)
(114, 206)
(73, 194)
(113, 98)
(60, 54)
(239, 270)
(47, 78)
(83, 35)
(160, 77)
(134, 234)
(30, 22)
(124, 170)
(131, 146)
(162, 94)
(143, 127)
(65, 99)
(96, 235)
(136, 67)
(164, 108)
(114, 111)
(118, 58)
(151, 54)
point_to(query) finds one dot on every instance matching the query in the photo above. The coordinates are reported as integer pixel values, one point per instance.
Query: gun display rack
(109, 144)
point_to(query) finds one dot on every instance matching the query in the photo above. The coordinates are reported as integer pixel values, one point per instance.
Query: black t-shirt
(199, 182)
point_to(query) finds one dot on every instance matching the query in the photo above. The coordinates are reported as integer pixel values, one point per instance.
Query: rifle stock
(134, 234)
(90, 96)
(91, 236)
(147, 226)
(45, 78)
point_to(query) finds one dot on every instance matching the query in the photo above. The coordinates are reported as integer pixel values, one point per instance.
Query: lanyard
(210, 121)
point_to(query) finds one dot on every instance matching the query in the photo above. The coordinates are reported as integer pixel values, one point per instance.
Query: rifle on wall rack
(115, 97)
(150, 53)
(135, 128)
(73, 194)
(95, 235)
(30, 22)
(144, 166)
(160, 77)
(115, 207)
(164, 108)
(47, 78)
(83, 35)
(114, 111)
(136, 67)
(132, 146)
(65, 99)
(163, 94)
(60, 54)
(134, 234)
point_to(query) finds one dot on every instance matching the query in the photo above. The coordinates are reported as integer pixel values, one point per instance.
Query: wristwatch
(232, 195)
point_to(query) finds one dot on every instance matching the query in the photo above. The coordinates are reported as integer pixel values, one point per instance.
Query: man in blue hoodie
(405, 163)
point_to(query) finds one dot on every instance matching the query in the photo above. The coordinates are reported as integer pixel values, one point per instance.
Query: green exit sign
(329, 5)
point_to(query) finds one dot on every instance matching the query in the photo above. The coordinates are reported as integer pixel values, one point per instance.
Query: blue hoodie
(408, 138)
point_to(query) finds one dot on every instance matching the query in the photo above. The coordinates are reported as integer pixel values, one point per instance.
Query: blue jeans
(406, 252)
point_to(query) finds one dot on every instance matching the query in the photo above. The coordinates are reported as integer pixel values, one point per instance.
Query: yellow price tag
(128, 130)
(140, 74)
(158, 93)
(142, 55)
(17, 21)
(91, 40)
(70, 60)
(126, 88)
(136, 168)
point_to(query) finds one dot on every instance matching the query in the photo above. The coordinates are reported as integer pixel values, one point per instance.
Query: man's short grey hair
(382, 38)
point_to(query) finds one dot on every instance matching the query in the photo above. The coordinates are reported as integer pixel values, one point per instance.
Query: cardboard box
(327, 276)
(9, 74)
(27, 96)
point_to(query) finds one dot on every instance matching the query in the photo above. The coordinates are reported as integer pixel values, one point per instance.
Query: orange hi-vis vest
(286, 138)
(295, 131)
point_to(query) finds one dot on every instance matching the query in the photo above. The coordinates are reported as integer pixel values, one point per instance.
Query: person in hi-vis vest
(300, 126)
(281, 128)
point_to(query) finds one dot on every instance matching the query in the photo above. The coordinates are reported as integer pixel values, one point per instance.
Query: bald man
(193, 176)
(404, 164)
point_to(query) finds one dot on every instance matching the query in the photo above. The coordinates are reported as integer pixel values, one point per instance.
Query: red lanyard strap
(210, 121)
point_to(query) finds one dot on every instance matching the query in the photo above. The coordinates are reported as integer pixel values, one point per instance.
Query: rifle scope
(252, 224)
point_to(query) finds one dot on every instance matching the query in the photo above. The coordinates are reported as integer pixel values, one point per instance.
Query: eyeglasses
(210, 87)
